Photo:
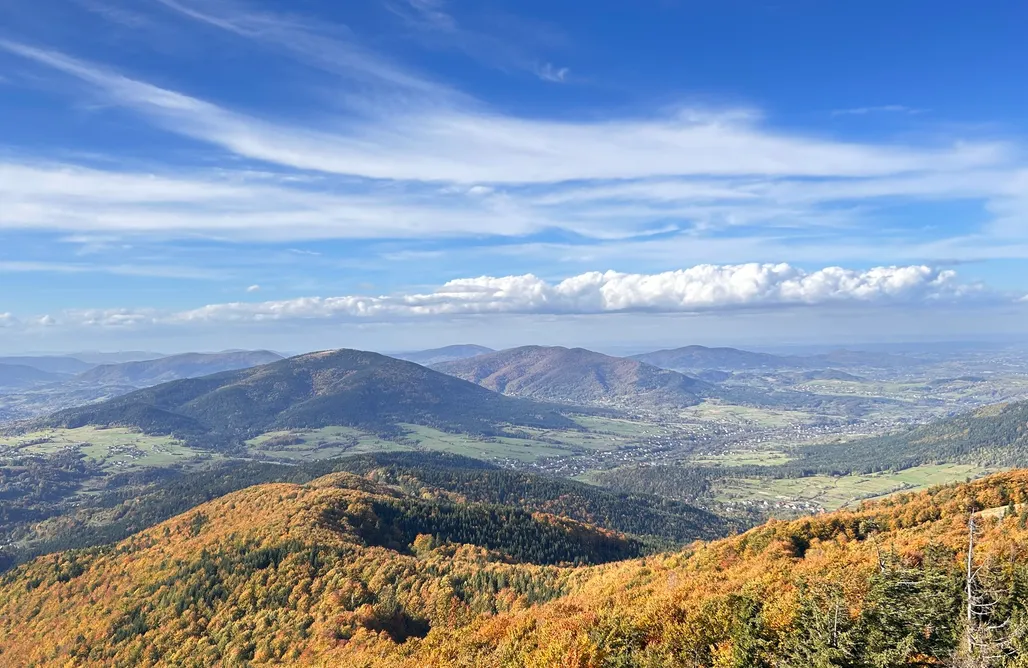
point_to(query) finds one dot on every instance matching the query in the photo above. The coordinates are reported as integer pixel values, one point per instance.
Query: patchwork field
(833, 492)
(745, 415)
(112, 449)
(538, 443)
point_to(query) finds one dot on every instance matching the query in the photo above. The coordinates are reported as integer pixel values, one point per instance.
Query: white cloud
(328, 47)
(547, 72)
(253, 288)
(885, 108)
(702, 288)
(467, 145)
(236, 205)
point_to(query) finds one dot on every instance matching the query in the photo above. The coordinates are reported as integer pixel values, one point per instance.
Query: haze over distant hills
(20, 377)
(702, 358)
(722, 359)
(175, 367)
(32, 388)
(578, 376)
(444, 354)
(97, 358)
(343, 387)
(50, 363)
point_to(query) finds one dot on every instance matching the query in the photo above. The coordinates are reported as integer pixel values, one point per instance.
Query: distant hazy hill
(440, 355)
(19, 376)
(343, 387)
(724, 359)
(697, 358)
(97, 358)
(50, 363)
(176, 367)
(577, 376)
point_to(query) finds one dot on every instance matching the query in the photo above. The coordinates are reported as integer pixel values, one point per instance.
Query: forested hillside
(134, 502)
(995, 435)
(342, 387)
(578, 376)
(342, 571)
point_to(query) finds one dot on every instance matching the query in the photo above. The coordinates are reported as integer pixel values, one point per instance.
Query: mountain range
(21, 377)
(175, 367)
(578, 376)
(701, 358)
(444, 354)
(59, 364)
(343, 387)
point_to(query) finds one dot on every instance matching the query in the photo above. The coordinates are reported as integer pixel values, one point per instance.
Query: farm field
(749, 416)
(332, 442)
(113, 449)
(834, 492)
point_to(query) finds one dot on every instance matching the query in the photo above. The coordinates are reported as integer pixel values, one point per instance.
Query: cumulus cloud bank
(696, 289)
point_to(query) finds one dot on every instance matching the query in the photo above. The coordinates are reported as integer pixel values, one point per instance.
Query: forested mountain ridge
(995, 435)
(578, 376)
(340, 387)
(138, 501)
(320, 574)
(176, 367)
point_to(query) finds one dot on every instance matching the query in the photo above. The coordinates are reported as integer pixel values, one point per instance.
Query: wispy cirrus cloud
(509, 43)
(329, 47)
(466, 145)
(453, 167)
(548, 72)
(698, 289)
(881, 109)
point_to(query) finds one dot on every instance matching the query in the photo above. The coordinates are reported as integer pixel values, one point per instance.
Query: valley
(758, 446)
(341, 458)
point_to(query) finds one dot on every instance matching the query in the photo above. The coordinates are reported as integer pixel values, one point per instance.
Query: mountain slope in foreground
(577, 376)
(332, 388)
(342, 572)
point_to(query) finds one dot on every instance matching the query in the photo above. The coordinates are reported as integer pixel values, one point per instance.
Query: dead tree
(987, 640)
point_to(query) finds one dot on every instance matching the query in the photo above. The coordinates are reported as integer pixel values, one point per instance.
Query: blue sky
(398, 173)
